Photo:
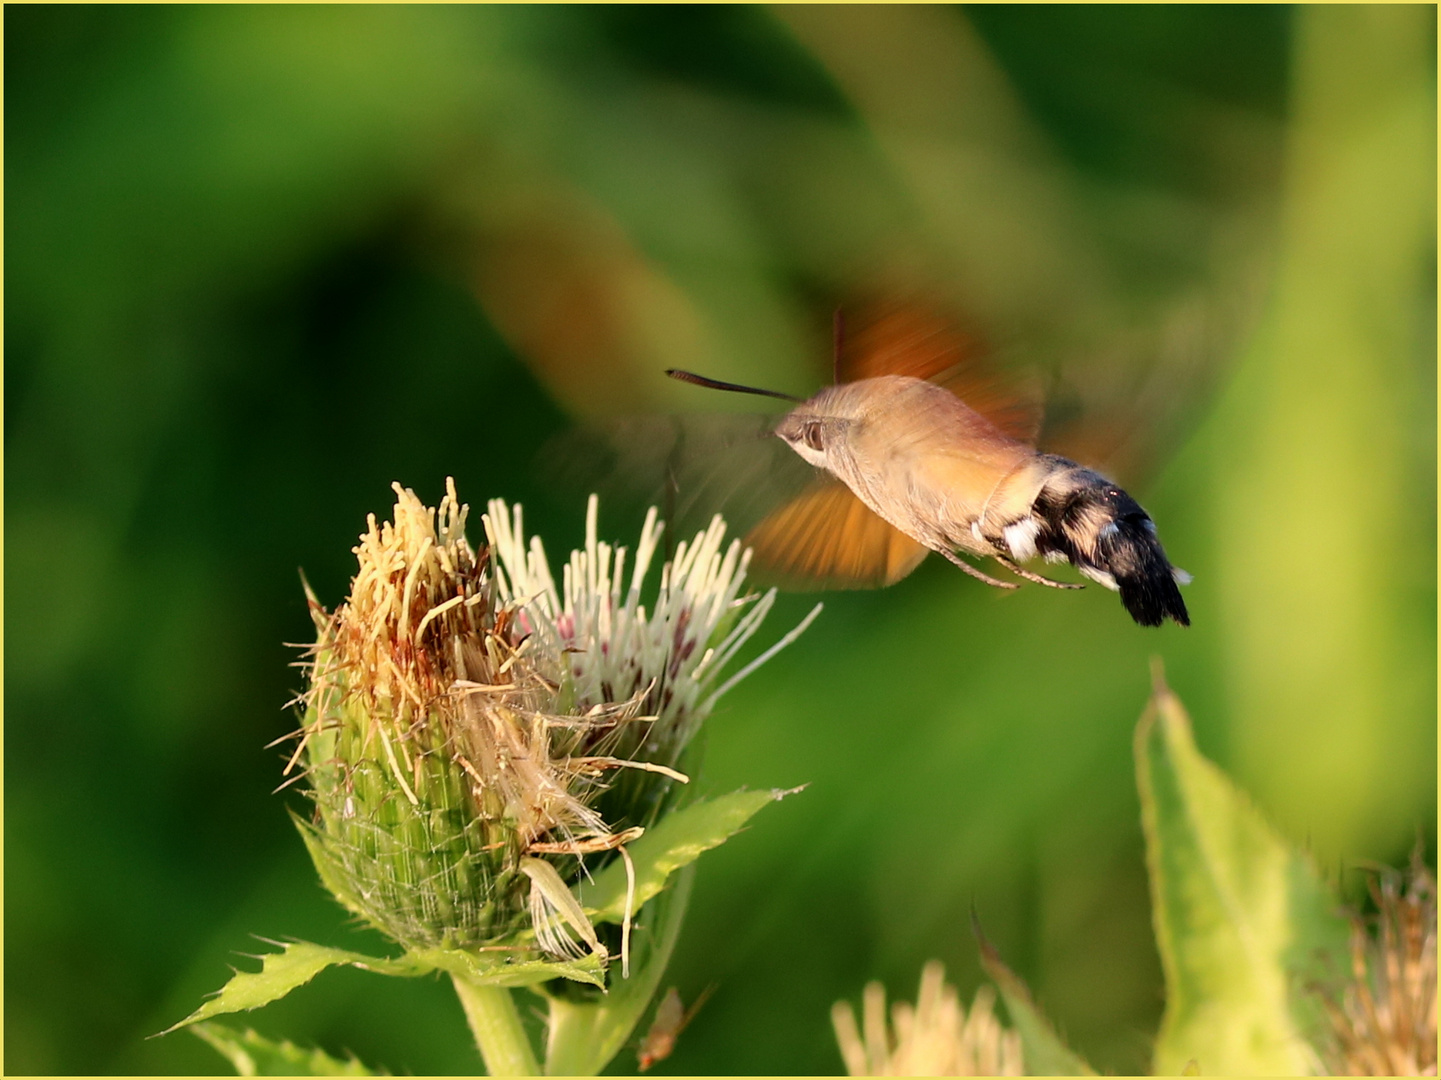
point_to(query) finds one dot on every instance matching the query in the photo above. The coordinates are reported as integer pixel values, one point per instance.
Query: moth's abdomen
(1086, 520)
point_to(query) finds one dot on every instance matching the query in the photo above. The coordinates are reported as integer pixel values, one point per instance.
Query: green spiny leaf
(1243, 921)
(253, 1054)
(1043, 1051)
(295, 965)
(679, 839)
(301, 961)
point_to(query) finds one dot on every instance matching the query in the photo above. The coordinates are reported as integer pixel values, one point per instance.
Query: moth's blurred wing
(807, 529)
(690, 467)
(910, 339)
(826, 538)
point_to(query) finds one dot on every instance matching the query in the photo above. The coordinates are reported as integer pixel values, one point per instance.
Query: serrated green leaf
(253, 1054)
(295, 965)
(679, 839)
(1243, 921)
(1043, 1051)
(301, 961)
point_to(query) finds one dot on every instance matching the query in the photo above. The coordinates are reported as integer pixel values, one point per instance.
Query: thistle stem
(498, 1032)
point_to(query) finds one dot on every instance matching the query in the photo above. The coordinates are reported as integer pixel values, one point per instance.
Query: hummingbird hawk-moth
(917, 451)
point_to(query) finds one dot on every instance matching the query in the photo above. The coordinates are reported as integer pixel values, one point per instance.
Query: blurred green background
(262, 261)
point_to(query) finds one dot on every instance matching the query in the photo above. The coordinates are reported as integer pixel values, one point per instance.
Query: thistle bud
(474, 733)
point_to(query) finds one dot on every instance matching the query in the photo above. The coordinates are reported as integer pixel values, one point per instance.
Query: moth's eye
(812, 436)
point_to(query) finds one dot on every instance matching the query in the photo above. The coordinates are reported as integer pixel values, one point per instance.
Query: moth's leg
(978, 575)
(1021, 572)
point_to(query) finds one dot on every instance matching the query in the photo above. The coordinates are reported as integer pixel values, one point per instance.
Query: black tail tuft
(1130, 553)
(1107, 536)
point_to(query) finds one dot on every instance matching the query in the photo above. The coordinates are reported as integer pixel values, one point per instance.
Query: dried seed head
(472, 734)
(935, 1037)
(1383, 1021)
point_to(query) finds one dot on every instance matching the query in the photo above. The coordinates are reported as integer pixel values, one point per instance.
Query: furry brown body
(947, 479)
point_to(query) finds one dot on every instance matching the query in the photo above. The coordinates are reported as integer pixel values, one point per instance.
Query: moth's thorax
(918, 456)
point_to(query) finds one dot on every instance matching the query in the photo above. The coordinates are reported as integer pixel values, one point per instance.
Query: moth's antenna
(839, 336)
(716, 384)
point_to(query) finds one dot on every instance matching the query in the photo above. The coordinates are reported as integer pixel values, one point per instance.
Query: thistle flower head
(935, 1037)
(1383, 1021)
(473, 733)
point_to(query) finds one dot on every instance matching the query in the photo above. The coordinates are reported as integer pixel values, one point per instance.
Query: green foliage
(1243, 922)
(300, 961)
(585, 1035)
(1245, 926)
(676, 841)
(253, 1054)
(1043, 1050)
